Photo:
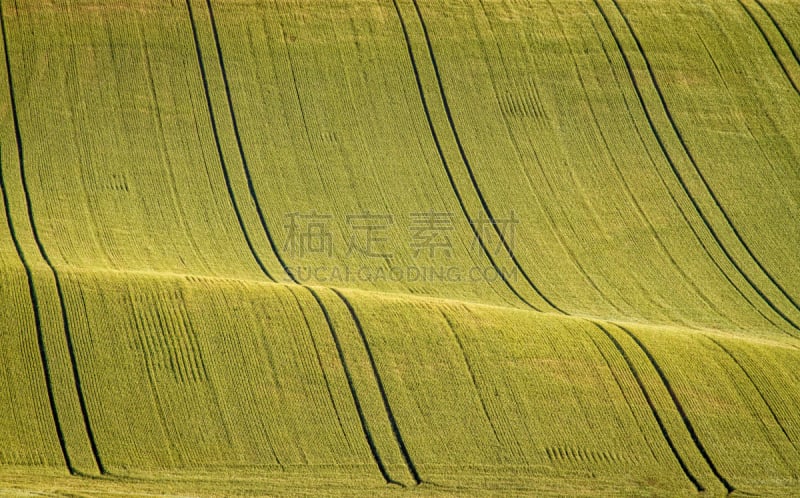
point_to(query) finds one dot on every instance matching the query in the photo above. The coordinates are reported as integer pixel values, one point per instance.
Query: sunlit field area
(400, 247)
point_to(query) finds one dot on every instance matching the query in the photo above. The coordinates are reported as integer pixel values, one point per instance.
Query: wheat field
(393, 247)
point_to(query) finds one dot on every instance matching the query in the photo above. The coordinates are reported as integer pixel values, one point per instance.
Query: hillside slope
(391, 246)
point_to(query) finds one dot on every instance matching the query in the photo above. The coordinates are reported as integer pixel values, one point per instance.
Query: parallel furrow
(43, 253)
(674, 168)
(688, 473)
(465, 160)
(475, 232)
(251, 188)
(755, 385)
(681, 411)
(626, 184)
(624, 391)
(764, 35)
(138, 321)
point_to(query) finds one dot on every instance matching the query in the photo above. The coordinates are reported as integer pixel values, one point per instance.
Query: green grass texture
(400, 247)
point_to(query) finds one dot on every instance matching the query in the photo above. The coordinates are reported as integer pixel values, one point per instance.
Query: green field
(394, 247)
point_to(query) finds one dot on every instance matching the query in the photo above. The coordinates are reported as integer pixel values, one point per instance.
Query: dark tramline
(674, 201)
(772, 50)
(43, 253)
(386, 405)
(447, 169)
(707, 187)
(671, 162)
(679, 406)
(242, 156)
(780, 30)
(468, 364)
(466, 162)
(251, 188)
(688, 473)
(362, 418)
(215, 130)
(752, 381)
(37, 318)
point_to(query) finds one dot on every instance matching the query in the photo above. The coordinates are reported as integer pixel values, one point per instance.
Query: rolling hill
(391, 247)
